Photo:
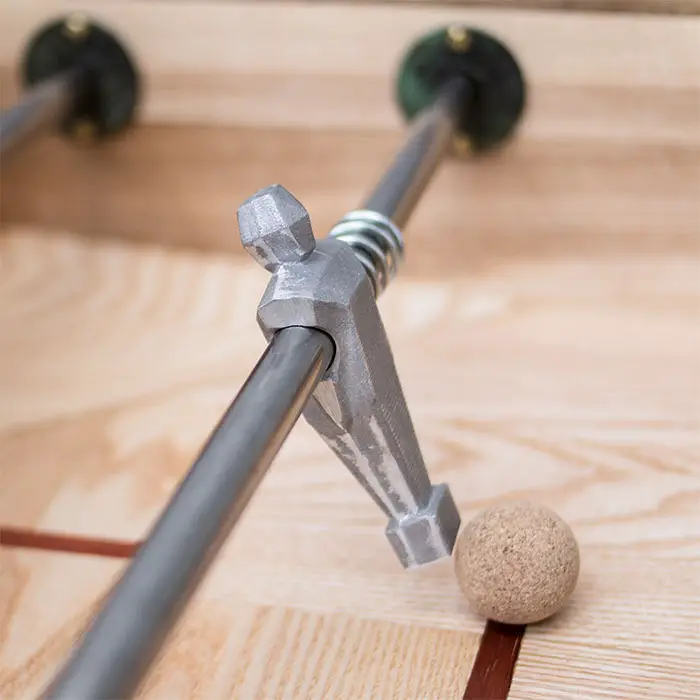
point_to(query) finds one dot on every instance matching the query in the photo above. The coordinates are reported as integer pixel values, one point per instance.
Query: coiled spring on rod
(377, 243)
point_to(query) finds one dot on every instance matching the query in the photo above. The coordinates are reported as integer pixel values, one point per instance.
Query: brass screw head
(462, 146)
(77, 26)
(458, 38)
(84, 132)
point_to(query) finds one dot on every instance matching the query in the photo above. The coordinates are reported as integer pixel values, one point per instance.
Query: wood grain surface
(182, 187)
(572, 380)
(239, 94)
(226, 649)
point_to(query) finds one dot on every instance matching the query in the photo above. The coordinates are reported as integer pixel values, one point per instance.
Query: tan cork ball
(517, 563)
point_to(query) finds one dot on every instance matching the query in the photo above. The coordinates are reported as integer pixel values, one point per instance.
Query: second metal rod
(398, 192)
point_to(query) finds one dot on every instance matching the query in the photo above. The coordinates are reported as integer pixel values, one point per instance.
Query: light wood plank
(295, 655)
(46, 601)
(307, 65)
(572, 381)
(224, 649)
(181, 186)
(642, 629)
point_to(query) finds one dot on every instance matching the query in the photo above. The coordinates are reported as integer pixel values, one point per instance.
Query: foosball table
(461, 240)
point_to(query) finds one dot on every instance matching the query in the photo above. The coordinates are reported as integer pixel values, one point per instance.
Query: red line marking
(74, 544)
(493, 668)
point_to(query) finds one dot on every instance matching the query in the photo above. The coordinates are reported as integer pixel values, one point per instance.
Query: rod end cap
(109, 87)
(490, 116)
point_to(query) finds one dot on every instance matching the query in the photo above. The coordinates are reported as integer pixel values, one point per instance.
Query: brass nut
(84, 131)
(458, 38)
(77, 26)
(462, 146)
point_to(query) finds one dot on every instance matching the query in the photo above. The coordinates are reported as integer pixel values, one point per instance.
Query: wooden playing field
(546, 327)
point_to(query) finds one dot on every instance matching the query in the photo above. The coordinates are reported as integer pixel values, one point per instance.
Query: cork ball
(517, 563)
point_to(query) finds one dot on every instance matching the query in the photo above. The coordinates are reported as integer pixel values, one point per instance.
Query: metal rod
(43, 107)
(123, 639)
(404, 182)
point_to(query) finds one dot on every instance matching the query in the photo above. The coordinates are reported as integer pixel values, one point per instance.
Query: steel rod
(401, 187)
(123, 639)
(42, 108)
